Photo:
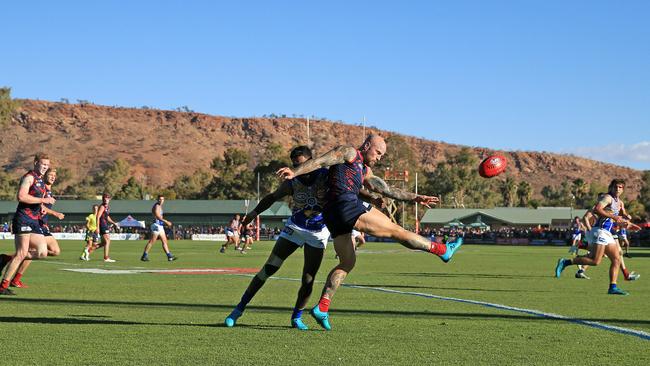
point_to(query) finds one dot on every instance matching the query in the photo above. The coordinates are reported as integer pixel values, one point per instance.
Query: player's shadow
(467, 275)
(269, 309)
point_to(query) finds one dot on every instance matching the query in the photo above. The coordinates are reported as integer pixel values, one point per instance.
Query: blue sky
(561, 76)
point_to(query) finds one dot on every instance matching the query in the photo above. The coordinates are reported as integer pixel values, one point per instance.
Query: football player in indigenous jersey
(349, 171)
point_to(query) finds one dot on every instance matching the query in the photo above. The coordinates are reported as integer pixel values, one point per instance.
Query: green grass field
(69, 317)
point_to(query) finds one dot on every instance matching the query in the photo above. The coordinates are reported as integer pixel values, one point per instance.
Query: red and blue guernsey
(27, 217)
(104, 227)
(346, 179)
(343, 206)
(44, 217)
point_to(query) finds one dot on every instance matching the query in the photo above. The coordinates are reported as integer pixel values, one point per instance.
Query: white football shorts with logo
(604, 237)
(156, 229)
(577, 236)
(300, 236)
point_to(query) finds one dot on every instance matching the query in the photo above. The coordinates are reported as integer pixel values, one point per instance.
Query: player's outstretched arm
(378, 185)
(283, 190)
(338, 155)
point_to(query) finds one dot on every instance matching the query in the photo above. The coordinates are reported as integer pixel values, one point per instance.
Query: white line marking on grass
(541, 314)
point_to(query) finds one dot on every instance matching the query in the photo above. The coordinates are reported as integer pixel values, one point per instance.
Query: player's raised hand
(426, 200)
(285, 173)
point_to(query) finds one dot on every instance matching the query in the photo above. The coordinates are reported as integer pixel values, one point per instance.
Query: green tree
(580, 190)
(636, 209)
(84, 190)
(273, 158)
(644, 195)
(233, 179)
(8, 186)
(524, 193)
(114, 177)
(191, 186)
(509, 192)
(7, 106)
(458, 182)
(131, 190)
(558, 196)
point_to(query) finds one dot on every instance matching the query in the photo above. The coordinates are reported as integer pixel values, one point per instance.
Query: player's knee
(267, 271)
(55, 252)
(597, 261)
(347, 264)
(308, 280)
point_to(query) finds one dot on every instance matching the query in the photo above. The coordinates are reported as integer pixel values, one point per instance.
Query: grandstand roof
(505, 215)
(194, 207)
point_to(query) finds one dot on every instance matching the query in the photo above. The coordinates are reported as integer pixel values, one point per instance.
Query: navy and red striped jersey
(103, 219)
(48, 193)
(37, 189)
(346, 179)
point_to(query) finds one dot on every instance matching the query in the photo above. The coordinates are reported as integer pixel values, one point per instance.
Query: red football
(492, 166)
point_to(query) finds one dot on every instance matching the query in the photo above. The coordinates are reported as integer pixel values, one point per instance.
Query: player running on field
(92, 239)
(29, 240)
(104, 221)
(53, 248)
(158, 231)
(589, 220)
(350, 169)
(232, 234)
(609, 210)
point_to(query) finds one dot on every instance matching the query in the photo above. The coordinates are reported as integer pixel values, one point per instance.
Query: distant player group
(335, 195)
(32, 236)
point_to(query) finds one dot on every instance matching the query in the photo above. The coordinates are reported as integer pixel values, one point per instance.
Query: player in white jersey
(232, 234)
(305, 226)
(610, 210)
(157, 229)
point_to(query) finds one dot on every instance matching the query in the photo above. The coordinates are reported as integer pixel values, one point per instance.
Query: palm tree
(509, 192)
(524, 192)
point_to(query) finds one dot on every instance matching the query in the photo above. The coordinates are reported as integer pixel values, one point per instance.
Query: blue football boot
(297, 323)
(321, 317)
(232, 318)
(452, 247)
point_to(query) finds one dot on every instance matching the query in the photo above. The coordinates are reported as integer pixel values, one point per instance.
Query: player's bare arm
(600, 209)
(56, 214)
(283, 190)
(100, 212)
(376, 184)
(338, 155)
(158, 215)
(24, 196)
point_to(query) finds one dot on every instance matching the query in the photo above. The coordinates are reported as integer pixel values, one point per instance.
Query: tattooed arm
(267, 201)
(338, 155)
(376, 184)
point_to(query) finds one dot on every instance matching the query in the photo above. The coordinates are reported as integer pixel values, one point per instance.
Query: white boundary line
(611, 328)
(541, 314)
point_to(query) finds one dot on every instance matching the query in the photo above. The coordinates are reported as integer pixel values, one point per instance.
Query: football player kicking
(349, 171)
